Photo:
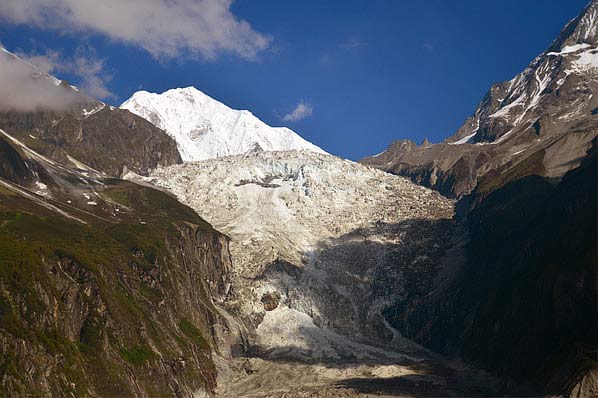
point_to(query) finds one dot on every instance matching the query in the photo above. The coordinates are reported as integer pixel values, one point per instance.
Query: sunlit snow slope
(205, 128)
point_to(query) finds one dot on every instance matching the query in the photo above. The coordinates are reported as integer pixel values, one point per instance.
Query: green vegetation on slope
(88, 294)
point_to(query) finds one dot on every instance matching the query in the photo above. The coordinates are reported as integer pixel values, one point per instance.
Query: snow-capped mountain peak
(205, 128)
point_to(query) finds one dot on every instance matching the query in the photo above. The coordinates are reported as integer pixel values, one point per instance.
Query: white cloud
(165, 28)
(83, 64)
(24, 88)
(301, 111)
(353, 43)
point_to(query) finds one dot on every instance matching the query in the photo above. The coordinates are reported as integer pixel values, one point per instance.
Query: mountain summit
(205, 128)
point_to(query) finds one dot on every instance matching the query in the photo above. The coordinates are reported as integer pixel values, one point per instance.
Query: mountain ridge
(549, 105)
(94, 270)
(88, 265)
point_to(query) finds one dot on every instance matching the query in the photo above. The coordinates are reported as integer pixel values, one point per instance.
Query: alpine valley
(175, 247)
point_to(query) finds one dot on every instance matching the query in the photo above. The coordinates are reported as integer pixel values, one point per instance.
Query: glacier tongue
(322, 248)
(301, 222)
(205, 128)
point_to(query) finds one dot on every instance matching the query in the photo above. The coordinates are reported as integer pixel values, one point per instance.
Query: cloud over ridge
(24, 88)
(83, 64)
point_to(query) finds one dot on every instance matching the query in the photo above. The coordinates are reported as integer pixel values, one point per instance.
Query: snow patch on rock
(587, 61)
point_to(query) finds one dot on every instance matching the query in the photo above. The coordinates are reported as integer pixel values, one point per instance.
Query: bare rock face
(13, 166)
(109, 140)
(523, 302)
(540, 122)
(270, 301)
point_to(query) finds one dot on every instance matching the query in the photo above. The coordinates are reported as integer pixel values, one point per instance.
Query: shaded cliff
(519, 294)
(524, 302)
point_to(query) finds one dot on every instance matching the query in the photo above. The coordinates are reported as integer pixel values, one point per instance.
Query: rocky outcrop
(109, 140)
(13, 166)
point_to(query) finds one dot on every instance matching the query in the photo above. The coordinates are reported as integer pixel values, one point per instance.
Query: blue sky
(366, 72)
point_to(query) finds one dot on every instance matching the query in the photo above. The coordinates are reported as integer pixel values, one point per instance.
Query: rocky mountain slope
(523, 304)
(106, 286)
(544, 118)
(84, 132)
(103, 284)
(320, 248)
(205, 128)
